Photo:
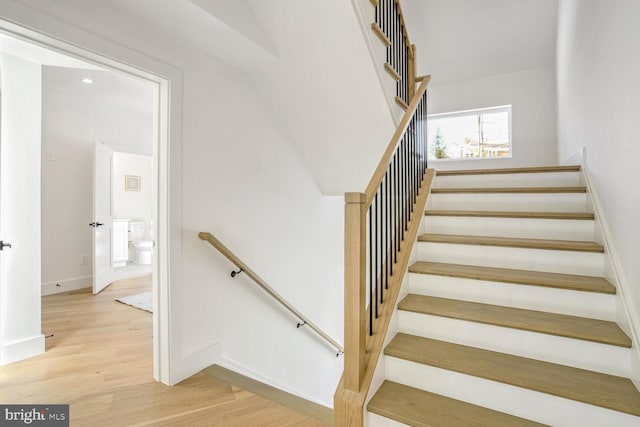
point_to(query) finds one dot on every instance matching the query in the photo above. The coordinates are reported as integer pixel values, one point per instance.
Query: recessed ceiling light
(87, 80)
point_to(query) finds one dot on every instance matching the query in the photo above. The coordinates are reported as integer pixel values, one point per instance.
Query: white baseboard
(66, 285)
(243, 370)
(20, 350)
(196, 362)
(628, 316)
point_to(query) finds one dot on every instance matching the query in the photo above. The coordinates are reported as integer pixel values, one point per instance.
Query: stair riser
(561, 301)
(548, 179)
(603, 358)
(568, 262)
(517, 401)
(520, 202)
(375, 420)
(582, 230)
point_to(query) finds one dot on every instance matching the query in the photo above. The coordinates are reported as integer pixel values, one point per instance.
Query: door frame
(166, 151)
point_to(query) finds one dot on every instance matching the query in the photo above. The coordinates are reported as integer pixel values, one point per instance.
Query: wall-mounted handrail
(244, 268)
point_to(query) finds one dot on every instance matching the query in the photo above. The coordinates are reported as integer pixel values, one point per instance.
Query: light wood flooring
(100, 362)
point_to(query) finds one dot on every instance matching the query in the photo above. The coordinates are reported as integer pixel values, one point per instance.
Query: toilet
(142, 250)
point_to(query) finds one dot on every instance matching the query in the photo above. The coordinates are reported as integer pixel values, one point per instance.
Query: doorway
(160, 178)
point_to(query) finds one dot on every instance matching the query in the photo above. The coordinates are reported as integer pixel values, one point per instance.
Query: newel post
(354, 290)
(412, 70)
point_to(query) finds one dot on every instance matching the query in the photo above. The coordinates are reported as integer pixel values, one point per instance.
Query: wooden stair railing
(381, 225)
(390, 26)
(244, 268)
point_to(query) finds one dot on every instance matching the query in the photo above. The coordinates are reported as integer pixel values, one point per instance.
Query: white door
(102, 221)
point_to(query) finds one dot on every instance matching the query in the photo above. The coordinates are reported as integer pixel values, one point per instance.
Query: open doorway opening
(64, 188)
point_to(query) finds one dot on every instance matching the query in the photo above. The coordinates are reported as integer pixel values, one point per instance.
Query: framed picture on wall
(131, 183)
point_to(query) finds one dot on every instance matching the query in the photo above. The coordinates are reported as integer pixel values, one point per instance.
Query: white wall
(20, 328)
(134, 205)
(234, 173)
(598, 108)
(532, 94)
(324, 91)
(247, 186)
(74, 115)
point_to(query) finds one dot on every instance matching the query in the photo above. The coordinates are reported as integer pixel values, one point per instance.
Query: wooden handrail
(268, 289)
(391, 28)
(378, 175)
(349, 401)
(390, 208)
(404, 24)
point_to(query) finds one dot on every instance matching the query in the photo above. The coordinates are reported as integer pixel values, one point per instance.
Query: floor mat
(143, 301)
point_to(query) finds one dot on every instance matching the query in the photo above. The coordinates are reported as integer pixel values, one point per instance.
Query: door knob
(96, 224)
(4, 245)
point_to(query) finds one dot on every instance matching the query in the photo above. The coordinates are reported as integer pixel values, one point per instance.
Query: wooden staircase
(506, 318)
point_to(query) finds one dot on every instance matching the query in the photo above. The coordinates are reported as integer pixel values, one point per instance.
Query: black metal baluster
(410, 175)
(396, 244)
(386, 229)
(371, 294)
(382, 243)
(375, 269)
(406, 183)
(390, 219)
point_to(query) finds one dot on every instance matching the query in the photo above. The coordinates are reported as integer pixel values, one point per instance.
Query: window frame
(508, 108)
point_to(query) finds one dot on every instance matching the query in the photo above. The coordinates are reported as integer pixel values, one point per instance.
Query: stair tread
(536, 169)
(420, 408)
(507, 275)
(512, 214)
(589, 387)
(444, 190)
(582, 328)
(513, 242)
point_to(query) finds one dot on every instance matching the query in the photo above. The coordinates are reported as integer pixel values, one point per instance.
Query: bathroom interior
(132, 238)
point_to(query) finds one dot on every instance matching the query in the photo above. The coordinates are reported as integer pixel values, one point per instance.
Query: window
(471, 134)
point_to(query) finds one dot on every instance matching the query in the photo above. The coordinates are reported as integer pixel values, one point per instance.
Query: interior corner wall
(598, 108)
(248, 187)
(532, 94)
(235, 174)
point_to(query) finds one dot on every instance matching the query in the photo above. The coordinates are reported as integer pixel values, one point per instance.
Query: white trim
(465, 113)
(166, 350)
(23, 349)
(66, 285)
(198, 360)
(242, 370)
(461, 113)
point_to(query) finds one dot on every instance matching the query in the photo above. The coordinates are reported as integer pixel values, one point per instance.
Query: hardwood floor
(99, 360)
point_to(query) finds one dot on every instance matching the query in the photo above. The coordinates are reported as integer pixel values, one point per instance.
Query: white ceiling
(33, 53)
(469, 39)
(225, 29)
(113, 90)
(285, 50)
